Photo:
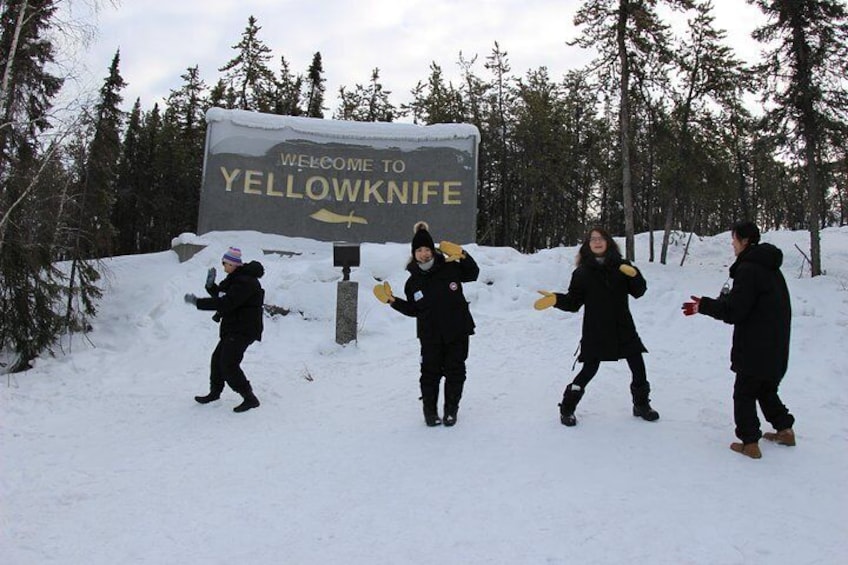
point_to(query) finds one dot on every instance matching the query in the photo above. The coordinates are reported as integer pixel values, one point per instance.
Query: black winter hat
(422, 237)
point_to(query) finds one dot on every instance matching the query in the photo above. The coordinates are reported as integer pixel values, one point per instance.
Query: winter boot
(783, 437)
(453, 394)
(250, 401)
(431, 415)
(572, 395)
(432, 419)
(642, 404)
(211, 397)
(450, 415)
(430, 400)
(752, 450)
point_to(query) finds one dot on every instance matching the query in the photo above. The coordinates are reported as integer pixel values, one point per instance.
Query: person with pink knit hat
(237, 303)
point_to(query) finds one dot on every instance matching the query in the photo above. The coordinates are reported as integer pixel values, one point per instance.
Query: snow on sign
(338, 181)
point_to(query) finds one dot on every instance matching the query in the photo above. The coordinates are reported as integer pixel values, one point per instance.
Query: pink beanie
(233, 255)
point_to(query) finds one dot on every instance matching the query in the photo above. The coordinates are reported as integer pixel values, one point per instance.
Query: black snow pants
(440, 359)
(225, 366)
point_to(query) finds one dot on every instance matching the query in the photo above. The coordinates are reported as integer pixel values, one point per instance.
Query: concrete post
(346, 304)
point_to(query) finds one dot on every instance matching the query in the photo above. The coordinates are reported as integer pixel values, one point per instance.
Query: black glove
(210, 277)
(216, 317)
(190, 299)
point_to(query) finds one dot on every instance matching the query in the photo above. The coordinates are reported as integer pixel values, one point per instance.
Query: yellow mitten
(548, 299)
(627, 270)
(451, 250)
(383, 292)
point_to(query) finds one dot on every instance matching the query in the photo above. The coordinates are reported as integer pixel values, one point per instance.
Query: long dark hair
(585, 253)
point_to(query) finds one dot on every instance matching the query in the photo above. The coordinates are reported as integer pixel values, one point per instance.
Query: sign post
(346, 255)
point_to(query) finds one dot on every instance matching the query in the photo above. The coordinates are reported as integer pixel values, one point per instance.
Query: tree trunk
(624, 125)
(814, 197)
(669, 218)
(10, 61)
(810, 133)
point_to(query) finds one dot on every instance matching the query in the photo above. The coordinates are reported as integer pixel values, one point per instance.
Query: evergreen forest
(665, 131)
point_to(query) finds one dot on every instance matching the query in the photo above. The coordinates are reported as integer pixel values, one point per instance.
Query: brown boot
(783, 437)
(752, 450)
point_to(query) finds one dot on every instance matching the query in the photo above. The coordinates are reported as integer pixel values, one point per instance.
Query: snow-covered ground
(106, 459)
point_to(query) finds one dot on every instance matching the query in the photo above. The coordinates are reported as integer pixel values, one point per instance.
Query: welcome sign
(338, 181)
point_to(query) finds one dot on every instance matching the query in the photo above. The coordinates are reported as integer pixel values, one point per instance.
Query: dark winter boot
(215, 389)
(432, 419)
(450, 415)
(211, 397)
(453, 394)
(572, 395)
(431, 415)
(430, 400)
(250, 401)
(642, 404)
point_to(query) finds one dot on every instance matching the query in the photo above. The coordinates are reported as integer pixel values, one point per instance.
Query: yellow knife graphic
(324, 215)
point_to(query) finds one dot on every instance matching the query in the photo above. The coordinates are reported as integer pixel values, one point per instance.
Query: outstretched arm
(574, 299)
(737, 305)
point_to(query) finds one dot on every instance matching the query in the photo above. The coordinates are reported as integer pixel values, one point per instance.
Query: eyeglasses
(596, 238)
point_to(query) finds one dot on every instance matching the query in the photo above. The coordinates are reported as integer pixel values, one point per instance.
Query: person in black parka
(601, 284)
(759, 308)
(237, 303)
(443, 320)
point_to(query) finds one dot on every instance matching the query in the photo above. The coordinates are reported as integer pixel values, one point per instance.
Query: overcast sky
(160, 39)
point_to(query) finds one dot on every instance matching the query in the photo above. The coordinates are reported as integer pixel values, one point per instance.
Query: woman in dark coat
(758, 306)
(443, 320)
(601, 284)
(237, 303)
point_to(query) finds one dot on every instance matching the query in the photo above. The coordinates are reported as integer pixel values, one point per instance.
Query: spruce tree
(435, 102)
(152, 199)
(94, 200)
(126, 216)
(186, 113)
(287, 100)
(30, 284)
(98, 188)
(222, 95)
(315, 88)
(496, 170)
(542, 206)
(366, 103)
(475, 92)
(248, 73)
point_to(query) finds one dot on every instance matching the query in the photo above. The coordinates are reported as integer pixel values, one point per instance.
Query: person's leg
(455, 355)
(745, 392)
(575, 390)
(587, 373)
(776, 413)
(232, 354)
(432, 361)
(640, 389)
(216, 378)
